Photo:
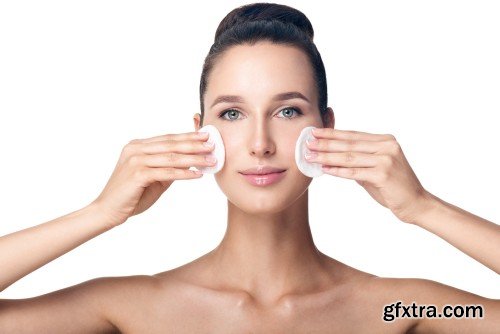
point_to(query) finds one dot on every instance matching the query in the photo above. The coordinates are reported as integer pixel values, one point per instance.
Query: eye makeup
(296, 109)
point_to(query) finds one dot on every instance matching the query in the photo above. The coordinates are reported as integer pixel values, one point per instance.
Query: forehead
(260, 70)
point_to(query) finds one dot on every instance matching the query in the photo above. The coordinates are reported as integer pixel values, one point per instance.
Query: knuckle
(168, 142)
(171, 157)
(134, 160)
(353, 171)
(321, 144)
(353, 134)
(129, 148)
(327, 131)
(383, 176)
(349, 157)
(390, 137)
(166, 145)
(387, 161)
(140, 174)
(200, 146)
(171, 171)
(351, 144)
(394, 146)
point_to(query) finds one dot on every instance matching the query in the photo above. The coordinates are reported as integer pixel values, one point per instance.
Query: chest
(190, 316)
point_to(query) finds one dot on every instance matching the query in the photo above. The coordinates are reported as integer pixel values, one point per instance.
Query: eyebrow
(277, 97)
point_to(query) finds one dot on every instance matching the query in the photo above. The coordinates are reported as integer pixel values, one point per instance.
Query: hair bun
(265, 12)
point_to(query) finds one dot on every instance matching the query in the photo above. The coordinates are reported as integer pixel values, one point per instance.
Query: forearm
(473, 235)
(24, 251)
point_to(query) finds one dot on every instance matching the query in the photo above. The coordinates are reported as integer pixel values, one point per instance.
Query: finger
(176, 136)
(345, 159)
(350, 145)
(170, 174)
(176, 146)
(175, 160)
(348, 134)
(359, 174)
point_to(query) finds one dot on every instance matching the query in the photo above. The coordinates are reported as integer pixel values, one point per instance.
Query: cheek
(288, 144)
(234, 145)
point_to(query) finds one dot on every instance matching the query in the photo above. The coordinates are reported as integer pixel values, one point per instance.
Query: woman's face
(258, 129)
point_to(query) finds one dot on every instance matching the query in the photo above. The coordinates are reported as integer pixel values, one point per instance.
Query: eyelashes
(295, 109)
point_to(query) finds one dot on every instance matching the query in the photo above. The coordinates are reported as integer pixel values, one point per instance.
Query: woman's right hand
(146, 168)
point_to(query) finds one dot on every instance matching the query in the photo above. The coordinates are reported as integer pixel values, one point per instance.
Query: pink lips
(264, 179)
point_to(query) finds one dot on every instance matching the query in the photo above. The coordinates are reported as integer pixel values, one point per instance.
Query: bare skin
(266, 275)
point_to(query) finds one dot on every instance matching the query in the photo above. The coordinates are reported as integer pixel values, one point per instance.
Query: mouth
(264, 179)
(262, 174)
(262, 170)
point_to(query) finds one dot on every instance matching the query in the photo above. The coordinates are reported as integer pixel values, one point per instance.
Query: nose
(261, 143)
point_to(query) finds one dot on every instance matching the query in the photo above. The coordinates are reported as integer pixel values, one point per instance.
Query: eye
(233, 113)
(297, 110)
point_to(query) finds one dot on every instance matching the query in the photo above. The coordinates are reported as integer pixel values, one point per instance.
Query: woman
(266, 276)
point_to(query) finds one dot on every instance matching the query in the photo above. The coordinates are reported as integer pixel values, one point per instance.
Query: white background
(79, 80)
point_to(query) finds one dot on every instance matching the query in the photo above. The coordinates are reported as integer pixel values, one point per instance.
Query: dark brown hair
(272, 22)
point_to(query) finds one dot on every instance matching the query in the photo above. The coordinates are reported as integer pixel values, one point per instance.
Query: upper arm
(440, 295)
(76, 309)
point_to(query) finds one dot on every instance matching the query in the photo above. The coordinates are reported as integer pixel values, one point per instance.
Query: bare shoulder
(91, 306)
(119, 296)
(356, 300)
(135, 303)
(433, 306)
(153, 303)
(409, 305)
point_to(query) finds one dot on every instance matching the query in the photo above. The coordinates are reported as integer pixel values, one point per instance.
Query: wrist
(102, 216)
(427, 204)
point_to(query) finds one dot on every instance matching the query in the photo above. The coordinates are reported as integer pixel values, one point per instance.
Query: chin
(258, 207)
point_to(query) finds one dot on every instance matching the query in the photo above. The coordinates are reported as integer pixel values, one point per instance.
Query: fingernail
(311, 141)
(310, 155)
(210, 158)
(208, 144)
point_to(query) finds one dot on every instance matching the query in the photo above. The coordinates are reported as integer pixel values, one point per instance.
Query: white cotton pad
(310, 169)
(218, 151)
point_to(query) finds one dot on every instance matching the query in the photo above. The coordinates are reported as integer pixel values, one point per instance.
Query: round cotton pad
(218, 151)
(311, 169)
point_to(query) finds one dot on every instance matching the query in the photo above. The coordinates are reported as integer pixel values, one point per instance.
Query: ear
(196, 120)
(329, 118)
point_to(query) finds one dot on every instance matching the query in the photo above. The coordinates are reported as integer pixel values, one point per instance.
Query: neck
(270, 255)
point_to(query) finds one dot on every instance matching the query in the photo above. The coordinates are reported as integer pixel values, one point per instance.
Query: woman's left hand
(377, 163)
